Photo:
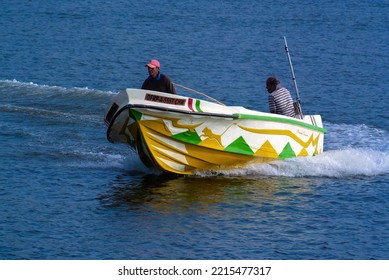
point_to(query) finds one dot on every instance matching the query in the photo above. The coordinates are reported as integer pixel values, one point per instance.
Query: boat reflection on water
(169, 193)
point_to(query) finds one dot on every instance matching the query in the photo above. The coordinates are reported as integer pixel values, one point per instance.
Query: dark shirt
(160, 83)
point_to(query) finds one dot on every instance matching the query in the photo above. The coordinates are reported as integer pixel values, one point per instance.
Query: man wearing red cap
(156, 80)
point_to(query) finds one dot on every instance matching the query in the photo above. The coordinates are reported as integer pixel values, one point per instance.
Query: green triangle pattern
(188, 137)
(137, 115)
(287, 152)
(239, 146)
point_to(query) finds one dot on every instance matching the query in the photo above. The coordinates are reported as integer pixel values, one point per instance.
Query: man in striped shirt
(280, 100)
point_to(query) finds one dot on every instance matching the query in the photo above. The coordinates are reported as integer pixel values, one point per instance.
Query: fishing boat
(185, 135)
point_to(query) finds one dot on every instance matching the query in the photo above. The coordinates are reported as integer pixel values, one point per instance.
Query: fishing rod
(296, 104)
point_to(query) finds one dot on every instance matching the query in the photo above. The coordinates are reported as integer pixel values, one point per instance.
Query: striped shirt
(281, 102)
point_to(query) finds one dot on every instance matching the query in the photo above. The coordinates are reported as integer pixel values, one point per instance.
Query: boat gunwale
(282, 120)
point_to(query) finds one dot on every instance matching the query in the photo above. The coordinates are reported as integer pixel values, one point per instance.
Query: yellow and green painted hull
(182, 135)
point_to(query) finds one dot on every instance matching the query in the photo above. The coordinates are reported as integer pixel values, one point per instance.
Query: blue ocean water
(67, 193)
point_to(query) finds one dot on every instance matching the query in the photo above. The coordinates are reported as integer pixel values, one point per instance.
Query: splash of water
(335, 164)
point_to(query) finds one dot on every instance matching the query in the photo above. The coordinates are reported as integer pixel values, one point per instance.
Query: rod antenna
(296, 104)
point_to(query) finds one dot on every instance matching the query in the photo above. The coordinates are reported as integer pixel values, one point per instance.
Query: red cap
(153, 63)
